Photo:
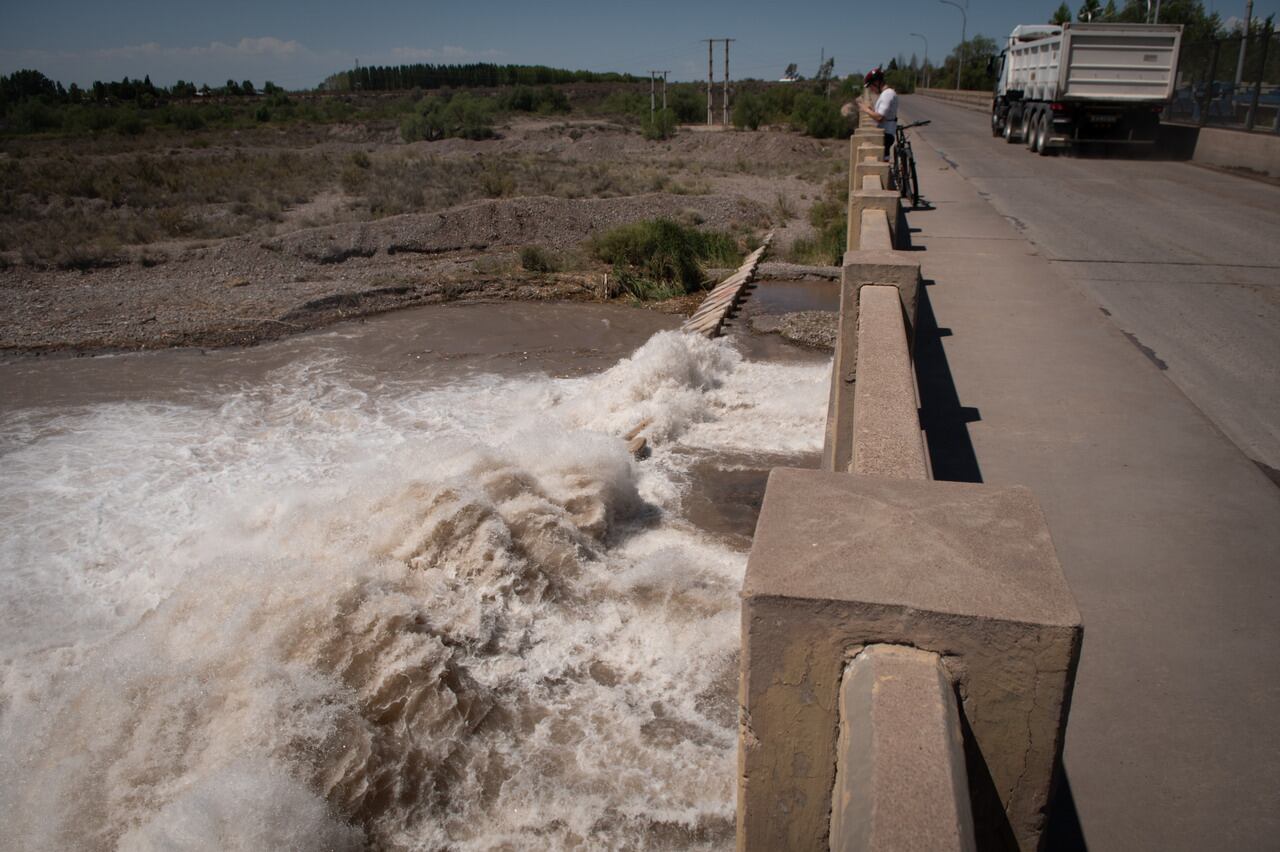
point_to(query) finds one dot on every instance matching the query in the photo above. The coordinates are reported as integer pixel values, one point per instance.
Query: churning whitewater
(301, 614)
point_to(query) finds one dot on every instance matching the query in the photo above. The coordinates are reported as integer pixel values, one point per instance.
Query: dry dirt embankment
(294, 273)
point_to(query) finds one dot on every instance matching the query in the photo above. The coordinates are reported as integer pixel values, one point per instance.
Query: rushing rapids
(306, 612)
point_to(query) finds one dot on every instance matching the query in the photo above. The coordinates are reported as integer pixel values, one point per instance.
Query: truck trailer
(1060, 86)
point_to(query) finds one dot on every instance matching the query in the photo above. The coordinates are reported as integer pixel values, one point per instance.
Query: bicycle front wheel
(915, 181)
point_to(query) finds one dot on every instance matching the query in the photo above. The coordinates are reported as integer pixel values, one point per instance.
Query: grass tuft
(659, 258)
(538, 259)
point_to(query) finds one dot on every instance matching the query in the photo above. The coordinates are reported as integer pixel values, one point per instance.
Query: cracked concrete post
(968, 572)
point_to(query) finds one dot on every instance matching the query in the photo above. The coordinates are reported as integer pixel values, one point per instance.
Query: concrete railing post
(874, 232)
(900, 768)
(872, 199)
(967, 572)
(861, 138)
(876, 168)
(894, 268)
(887, 440)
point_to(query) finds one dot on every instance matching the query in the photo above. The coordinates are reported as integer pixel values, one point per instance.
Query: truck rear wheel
(1012, 120)
(997, 126)
(1042, 140)
(1032, 130)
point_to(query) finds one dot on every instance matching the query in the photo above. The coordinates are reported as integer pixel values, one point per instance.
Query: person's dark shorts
(888, 143)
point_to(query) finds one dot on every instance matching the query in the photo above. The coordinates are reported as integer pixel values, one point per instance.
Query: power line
(649, 57)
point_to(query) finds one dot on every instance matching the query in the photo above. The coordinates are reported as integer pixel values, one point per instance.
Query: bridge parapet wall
(980, 100)
(909, 646)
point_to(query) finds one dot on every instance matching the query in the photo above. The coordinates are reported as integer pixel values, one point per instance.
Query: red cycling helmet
(874, 76)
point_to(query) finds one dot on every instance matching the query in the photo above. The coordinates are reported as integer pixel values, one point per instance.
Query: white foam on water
(305, 616)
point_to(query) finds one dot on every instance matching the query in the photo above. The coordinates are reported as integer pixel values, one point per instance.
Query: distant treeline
(30, 102)
(28, 85)
(400, 77)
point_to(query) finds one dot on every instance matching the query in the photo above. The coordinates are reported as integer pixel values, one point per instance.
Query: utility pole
(964, 25)
(1244, 40)
(726, 77)
(711, 43)
(653, 77)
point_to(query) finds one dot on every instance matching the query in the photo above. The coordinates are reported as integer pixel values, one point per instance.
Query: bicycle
(903, 168)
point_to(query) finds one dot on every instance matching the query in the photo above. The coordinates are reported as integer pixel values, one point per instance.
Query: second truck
(1059, 86)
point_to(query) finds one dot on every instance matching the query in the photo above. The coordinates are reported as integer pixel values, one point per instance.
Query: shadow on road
(944, 420)
(1174, 142)
(1064, 833)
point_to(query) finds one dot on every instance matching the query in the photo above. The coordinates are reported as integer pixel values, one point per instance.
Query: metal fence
(1207, 91)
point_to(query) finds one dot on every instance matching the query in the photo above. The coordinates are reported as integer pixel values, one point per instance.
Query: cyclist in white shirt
(885, 112)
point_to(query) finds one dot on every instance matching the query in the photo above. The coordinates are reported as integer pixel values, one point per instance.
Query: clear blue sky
(297, 44)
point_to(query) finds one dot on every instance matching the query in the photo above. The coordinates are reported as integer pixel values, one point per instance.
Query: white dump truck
(1062, 85)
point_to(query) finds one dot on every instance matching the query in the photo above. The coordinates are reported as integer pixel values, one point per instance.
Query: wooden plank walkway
(720, 302)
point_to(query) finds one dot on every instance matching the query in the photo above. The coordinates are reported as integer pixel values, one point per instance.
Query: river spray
(303, 615)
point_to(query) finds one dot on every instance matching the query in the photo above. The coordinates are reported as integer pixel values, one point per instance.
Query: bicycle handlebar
(915, 124)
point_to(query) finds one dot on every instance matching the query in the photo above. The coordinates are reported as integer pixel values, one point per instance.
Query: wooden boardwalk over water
(720, 302)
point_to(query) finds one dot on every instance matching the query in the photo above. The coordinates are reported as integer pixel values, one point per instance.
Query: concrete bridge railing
(979, 100)
(909, 646)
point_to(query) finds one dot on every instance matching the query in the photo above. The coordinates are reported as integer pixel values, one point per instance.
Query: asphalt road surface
(1184, 260)
(1141, 431)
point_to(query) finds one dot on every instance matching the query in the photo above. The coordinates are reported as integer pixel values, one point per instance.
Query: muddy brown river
(393, 584)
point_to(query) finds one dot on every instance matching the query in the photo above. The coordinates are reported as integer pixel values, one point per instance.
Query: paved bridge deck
(1169, 535)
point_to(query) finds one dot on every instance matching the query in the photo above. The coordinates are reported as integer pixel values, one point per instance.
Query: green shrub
(659, 256)
(34, 117)
(780, 101)
(129, 123)
(186, 118)
(660, 124)
(545, 101)
(463, 115)
(850, 88)
(624, 103)
(688, 102)
(470, 117)
(818, 117)
(538, 259)
(748, 112)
